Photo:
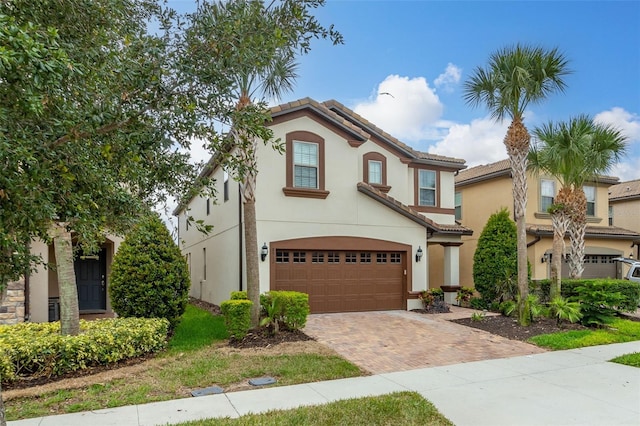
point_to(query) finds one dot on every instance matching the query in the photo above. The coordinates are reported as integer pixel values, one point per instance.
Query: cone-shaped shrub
(495, 260)
(149, 276)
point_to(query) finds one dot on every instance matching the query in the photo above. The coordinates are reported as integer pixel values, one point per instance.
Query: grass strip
(619, 331)
(632, 360)
(400, 408)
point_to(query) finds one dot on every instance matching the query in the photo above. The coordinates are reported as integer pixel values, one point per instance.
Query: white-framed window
(426, 188)
(375, 172)
(590, 193)
(305, 163)
(225, 179)
(610, 215)
(458, 205)
(547, 194)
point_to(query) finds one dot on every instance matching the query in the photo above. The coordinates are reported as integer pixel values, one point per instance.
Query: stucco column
(451, 280)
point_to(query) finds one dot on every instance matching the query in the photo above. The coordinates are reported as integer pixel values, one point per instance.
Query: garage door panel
(342, 281)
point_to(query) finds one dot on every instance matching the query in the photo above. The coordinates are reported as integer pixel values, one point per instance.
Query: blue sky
(422, 52)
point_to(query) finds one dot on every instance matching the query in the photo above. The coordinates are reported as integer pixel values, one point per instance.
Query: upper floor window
(225, 178)
(547, 194)
(375, 170)
(305, 161)
(426, 188)
(610, 215)
(458, 205)
(305, 165)
(590, 193)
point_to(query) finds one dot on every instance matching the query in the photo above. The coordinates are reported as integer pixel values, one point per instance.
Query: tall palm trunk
(560, 223)
(69, 310)
(251, 246)
(577, 230)
(517, 143)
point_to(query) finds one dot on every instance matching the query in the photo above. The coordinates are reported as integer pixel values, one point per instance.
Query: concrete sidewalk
(575, 387)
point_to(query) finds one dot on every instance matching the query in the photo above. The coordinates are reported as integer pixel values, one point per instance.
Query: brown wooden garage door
(343, 281)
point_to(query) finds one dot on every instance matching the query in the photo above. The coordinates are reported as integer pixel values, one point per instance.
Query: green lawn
(401, 408)
(197, 357)
(619, 331)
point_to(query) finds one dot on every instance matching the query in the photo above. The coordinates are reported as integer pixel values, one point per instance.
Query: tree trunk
(253, 273)
(69, 310)
(559, 222)
(577, 229)
(517, 143)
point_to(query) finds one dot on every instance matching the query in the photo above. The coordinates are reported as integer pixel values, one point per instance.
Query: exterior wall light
(264, 251)
(419, 254)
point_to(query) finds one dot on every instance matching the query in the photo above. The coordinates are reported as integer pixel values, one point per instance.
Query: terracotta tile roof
(503, 168)
(408, 212)
(592, 231)
(321, 109)
(346, 112)
(625, 190)
(485, 171)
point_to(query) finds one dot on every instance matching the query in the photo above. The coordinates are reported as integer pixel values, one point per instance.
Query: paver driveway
(382, 342)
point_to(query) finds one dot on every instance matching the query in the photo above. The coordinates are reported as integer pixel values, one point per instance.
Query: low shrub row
(577, 289)
(287, 309)
(39, 350)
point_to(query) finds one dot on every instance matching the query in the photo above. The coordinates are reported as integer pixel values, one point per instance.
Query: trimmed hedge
(39, 350)
(239, 295)
(237, 316)
(629, 290)
(293, 306)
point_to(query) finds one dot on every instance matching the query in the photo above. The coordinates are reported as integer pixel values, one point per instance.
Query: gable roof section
(322, 111)
(372, 129)
(411, 214)
(611, 232)
(502, 168)
(625, 191)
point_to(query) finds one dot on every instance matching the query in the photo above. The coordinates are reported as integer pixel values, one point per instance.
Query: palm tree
(591, 150)
(260, 68)
(515, 78)
(560, 153)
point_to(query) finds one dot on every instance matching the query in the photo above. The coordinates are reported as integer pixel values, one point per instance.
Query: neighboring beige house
(347, 214)
(35, 297)
(624, 209)
(483, 190)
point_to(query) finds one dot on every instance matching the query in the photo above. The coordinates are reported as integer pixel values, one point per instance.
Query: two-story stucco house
(483, 190)
(347, 214)
(624, 209)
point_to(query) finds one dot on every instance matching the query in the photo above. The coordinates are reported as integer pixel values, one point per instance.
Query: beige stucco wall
(626, 214)
(482, 199)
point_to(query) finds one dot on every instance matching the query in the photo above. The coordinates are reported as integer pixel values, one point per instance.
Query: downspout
(535, 240)
(240, 238)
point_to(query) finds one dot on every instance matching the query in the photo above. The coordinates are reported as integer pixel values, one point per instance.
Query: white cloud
(449, 78)
(480, 142)
(627, 170)
(405, 107)
(627, 122)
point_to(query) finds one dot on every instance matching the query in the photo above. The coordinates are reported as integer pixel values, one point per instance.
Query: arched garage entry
(343, 274)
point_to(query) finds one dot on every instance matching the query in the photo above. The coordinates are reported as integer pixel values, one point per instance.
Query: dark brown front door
(91, 281)
(343, 281)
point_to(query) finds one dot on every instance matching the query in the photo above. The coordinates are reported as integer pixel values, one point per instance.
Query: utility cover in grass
(212, 390)
(262, 381)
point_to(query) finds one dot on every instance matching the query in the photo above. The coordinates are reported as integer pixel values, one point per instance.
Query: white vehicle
(633, 274)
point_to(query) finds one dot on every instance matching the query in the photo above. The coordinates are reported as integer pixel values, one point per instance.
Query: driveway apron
(383, 342)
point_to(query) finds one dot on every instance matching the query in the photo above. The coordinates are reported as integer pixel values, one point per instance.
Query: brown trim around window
(416, 190)
(375, 156)
(290, 190)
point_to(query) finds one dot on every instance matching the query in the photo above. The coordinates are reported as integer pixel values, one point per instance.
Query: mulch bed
(508, 327)
(264, 338)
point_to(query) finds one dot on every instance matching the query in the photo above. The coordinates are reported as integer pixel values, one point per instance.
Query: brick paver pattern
(383, 342)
